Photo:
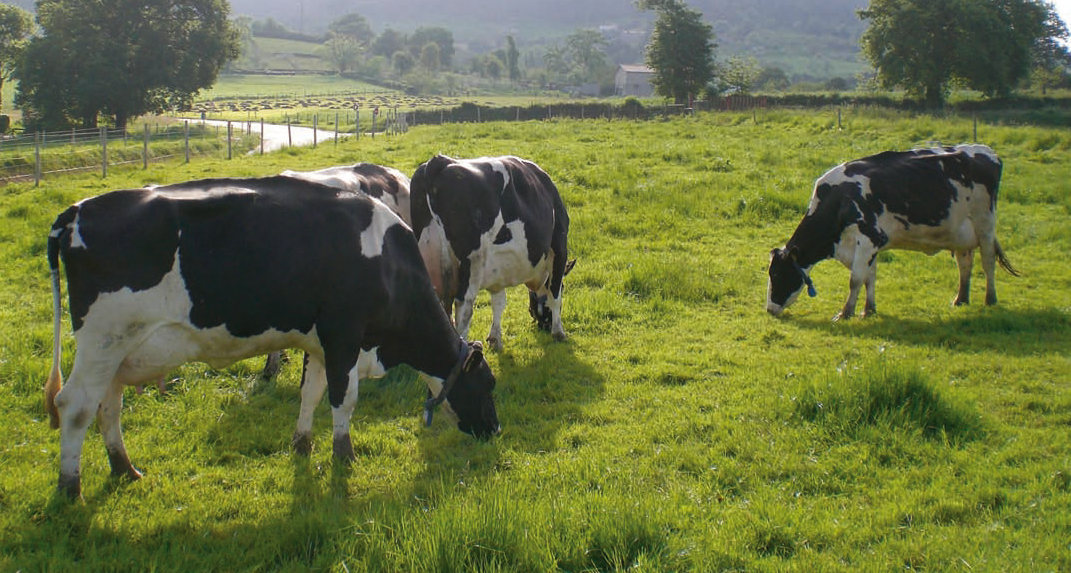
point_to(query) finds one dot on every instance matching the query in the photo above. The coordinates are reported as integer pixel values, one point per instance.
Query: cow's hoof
(842, 316)
(343, 449)
(302, 444)
(990, 300)
(560, 336)
(70, 486)
(121, 466)
(869, 312)
(960, 301)
(495, 343)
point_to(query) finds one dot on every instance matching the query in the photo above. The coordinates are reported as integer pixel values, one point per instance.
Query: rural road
(279, 136)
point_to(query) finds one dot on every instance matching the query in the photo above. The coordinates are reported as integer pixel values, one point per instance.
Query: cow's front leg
(464, 311)
(77, 403)
(498, 306)
(313, 384)
(108, 420)
(556, 328)
(965, 261)
(340, 422)
(855, 284)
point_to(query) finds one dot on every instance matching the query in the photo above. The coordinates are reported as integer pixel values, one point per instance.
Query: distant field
(259, 85)
(679, 428)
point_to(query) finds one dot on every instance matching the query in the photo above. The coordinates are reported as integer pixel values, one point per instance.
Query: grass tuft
(887, 397)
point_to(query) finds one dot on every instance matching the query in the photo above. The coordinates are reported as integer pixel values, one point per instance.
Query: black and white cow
(383, 183)
(488, 224)
(922, 200)
(224, 269)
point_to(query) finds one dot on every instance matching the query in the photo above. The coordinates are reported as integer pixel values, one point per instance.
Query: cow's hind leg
(989, 265)
(855, 284)
(108, 420)
(313, 384)
(871, 307)
(77, 403)
(965, 262)
(498, 306)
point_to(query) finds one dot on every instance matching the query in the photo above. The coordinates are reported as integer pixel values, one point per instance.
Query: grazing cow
(922, 200)
(224, 269)
(488, 224)
(384, 183)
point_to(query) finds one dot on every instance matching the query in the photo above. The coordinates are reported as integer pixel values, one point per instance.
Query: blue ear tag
(427, 417)
(811, 291)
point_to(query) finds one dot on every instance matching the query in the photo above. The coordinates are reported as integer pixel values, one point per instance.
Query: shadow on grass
(1014, 332)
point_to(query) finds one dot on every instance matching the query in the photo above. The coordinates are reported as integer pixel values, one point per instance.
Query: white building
(634, 80)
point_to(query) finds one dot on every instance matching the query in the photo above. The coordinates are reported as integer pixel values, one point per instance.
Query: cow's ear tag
(811, 291)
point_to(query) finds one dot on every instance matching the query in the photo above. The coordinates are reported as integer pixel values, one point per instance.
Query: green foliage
(675, 430)
(928, 47)
(121, 58)
(681, 50)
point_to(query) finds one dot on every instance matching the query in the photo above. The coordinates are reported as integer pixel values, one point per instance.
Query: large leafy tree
(582, 58)
(926, 47)
(681, 49)
(122, 58)
(441, 36)
(15, 27)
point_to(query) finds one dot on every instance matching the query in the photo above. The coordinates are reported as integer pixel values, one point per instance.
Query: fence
(33, 156)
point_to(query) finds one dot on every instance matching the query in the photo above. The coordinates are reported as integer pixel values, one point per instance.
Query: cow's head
(787, 279)
(468, 393)
(537, 302)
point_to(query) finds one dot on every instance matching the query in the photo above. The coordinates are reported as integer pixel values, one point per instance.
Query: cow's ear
(435, 166)
(569, 266)
(794, 253)
(475, 356)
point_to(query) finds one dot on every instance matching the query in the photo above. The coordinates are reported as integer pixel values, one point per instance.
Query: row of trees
(89, 59)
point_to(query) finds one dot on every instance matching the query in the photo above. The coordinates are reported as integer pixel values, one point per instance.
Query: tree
(681, 50)
(738, 75)
(352, 26)
(403, 61)
(15, 26)
(513, 56)
(430, 57)
(344, 52)
(388, 43)
(441, 36)
(927, 47)
(582, 58)
(122, 58)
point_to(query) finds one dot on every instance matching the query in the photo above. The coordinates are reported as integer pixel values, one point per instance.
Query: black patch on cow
(129, 242)
(504, 236)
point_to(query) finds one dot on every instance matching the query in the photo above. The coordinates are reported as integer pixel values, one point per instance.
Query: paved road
(280, 136)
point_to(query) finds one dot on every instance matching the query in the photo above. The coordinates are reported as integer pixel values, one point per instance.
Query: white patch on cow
(506, 264)
(835, 176)
(498, 167)
(76, 235)
(344, 178)
(372, 237)
(439, 258)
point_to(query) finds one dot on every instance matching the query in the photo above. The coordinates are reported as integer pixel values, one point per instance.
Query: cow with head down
(224, 269)
(922, 200)
(488, 224)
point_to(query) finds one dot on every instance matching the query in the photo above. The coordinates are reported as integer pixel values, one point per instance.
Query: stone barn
(634, 80)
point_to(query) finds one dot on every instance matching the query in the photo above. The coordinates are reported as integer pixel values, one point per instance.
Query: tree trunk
(935, 97)
(120, 120)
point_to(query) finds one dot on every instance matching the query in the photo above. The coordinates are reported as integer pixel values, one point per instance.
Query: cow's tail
(1003, 259)
(55, 377)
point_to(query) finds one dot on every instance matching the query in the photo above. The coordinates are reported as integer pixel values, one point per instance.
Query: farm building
(634, 80)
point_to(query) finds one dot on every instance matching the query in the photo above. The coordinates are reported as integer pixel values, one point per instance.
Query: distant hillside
(816, 37)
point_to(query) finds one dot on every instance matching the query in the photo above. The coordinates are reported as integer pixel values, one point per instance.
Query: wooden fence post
(36, 159)
(229, 133)
(262, 136)
(315, 121)
(289, 134)
(104, 150)
(336, 129)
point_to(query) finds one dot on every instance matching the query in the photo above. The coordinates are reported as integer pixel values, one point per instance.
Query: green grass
(679, 428)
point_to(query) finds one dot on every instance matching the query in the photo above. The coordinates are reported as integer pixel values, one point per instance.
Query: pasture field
(679, 428)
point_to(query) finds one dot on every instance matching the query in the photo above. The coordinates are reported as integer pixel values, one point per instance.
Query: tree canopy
(121, 58)
(681, 49)
(927, 47)
(15, 27)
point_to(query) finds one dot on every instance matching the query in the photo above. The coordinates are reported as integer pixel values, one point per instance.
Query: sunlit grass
(678, 428)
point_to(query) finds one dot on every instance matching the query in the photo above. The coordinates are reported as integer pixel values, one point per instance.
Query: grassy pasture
(678, 428)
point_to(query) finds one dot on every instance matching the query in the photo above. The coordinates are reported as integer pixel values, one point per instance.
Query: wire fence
(41, 154)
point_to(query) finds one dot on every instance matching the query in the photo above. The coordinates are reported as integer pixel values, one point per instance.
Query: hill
(817, 39)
